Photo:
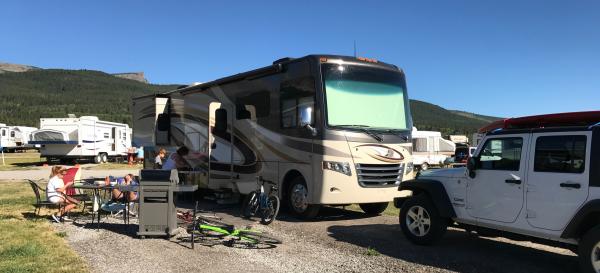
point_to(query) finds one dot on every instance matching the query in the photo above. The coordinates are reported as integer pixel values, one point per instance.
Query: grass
(28, 160)
(31, 244)
(372, 252)
(31, 160)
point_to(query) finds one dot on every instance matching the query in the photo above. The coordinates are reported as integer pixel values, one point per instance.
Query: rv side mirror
(220, 120)
(471, 166)
(163, 122)
(305, 116)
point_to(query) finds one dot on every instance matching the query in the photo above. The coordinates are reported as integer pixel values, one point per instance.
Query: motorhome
(430, 149)
(85, 137)
(327, 129)
(13, 138)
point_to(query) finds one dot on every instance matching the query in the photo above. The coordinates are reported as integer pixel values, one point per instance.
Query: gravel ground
(336, 242)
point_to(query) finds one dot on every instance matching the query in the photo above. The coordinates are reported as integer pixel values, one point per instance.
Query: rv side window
(12, 134)
(255, 105)
(560, 154)
(297, 100)
(3, 132)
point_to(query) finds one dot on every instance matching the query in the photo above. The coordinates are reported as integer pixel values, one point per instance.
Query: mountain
(28, 96)
(6, 67)
(431, 117)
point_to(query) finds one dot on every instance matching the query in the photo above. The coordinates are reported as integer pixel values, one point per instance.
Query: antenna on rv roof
(71, 115)
(354, 48)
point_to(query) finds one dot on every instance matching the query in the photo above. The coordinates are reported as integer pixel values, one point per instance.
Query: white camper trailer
(82, 138)
(430, 149)
(326, 129)
(14, 138)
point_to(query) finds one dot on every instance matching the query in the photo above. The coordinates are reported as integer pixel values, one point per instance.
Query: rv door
(220, 139)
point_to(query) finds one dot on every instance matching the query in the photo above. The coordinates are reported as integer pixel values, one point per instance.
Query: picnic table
(98, 185)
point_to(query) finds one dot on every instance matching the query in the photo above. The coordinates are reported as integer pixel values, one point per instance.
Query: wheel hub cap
(596, 257)
(299, 198)
(418, 221)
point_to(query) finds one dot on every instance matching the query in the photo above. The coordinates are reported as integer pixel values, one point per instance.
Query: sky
(502, 58)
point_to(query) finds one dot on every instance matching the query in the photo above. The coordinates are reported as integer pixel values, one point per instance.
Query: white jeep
(542, 184)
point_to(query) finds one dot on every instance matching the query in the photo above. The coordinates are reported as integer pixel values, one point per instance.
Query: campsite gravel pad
(337, 242)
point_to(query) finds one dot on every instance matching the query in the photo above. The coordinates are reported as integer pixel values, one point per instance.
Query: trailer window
(3, 132)
(12, 133)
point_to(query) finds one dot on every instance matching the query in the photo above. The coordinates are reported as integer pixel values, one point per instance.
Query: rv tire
(373, 208)
(297, 199)
(98, 159)
(104, 158)
(424, 166)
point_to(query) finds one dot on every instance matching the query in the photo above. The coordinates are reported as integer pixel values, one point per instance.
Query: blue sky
(504, 58)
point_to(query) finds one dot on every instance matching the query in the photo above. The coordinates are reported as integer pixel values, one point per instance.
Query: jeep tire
(420, 221)
(589, 251)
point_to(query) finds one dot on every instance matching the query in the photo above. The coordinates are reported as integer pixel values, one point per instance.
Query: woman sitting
(129, 196)
(55, 193)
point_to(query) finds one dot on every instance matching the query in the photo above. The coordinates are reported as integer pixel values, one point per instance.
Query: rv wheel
(104, 158)
(424, 166)
(98, 159)
(297, 199)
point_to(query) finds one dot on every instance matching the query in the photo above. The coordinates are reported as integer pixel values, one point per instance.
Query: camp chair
(39, 201)
(101, 205)
(74, 175)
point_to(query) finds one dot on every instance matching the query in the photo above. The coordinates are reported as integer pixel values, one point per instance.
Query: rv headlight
(409, 167)
(340, 167)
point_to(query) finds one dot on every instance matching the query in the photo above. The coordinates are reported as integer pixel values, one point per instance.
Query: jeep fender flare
(435, 191)
(584, 219)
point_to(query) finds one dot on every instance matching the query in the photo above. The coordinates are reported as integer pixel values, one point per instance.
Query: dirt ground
(337, 241)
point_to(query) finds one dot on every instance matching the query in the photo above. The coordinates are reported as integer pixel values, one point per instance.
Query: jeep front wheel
(589, 251)
(420, 221)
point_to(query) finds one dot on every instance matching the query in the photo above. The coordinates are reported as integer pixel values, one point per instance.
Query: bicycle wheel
(269, 213)
(254, 238)
(250, 205)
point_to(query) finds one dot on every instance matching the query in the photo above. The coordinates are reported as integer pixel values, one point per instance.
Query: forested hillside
(25, 97)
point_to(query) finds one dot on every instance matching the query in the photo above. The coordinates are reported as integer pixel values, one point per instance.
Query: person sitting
(119, 195)
(158, 164)
(176, 160)
(56, 193)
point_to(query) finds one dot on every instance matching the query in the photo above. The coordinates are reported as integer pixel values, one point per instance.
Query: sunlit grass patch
(31, 244)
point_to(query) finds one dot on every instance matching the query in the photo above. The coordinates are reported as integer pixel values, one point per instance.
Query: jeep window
(501, 154)
(560, 154)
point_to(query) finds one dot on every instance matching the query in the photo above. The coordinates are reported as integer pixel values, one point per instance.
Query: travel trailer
(327, 129)
(13, 138)
(85, 137)
(430, 149)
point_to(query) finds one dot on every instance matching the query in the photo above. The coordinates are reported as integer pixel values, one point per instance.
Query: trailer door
(220, 139)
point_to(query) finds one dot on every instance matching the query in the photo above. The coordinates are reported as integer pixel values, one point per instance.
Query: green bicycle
(211, 231)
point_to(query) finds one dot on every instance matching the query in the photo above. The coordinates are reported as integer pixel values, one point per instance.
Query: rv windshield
(366, 97)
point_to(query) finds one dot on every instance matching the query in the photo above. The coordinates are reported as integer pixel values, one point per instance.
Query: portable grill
(157, 215)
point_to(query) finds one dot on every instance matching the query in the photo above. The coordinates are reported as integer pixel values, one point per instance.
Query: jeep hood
(448, 173)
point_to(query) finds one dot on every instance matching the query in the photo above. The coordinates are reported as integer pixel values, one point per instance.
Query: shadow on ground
(456, 251)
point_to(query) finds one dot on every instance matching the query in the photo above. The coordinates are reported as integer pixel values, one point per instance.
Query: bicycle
(260, 203)
(211, 229)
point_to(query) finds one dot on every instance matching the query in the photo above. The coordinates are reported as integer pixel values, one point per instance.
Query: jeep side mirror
(471, 166)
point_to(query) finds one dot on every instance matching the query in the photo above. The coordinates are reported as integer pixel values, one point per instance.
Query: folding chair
(39, 201)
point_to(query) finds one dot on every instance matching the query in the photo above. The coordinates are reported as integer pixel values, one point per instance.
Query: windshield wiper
(396, 132)
(363, 128)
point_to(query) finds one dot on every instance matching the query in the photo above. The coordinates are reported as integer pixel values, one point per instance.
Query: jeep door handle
(513, 181)
(571, 185)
